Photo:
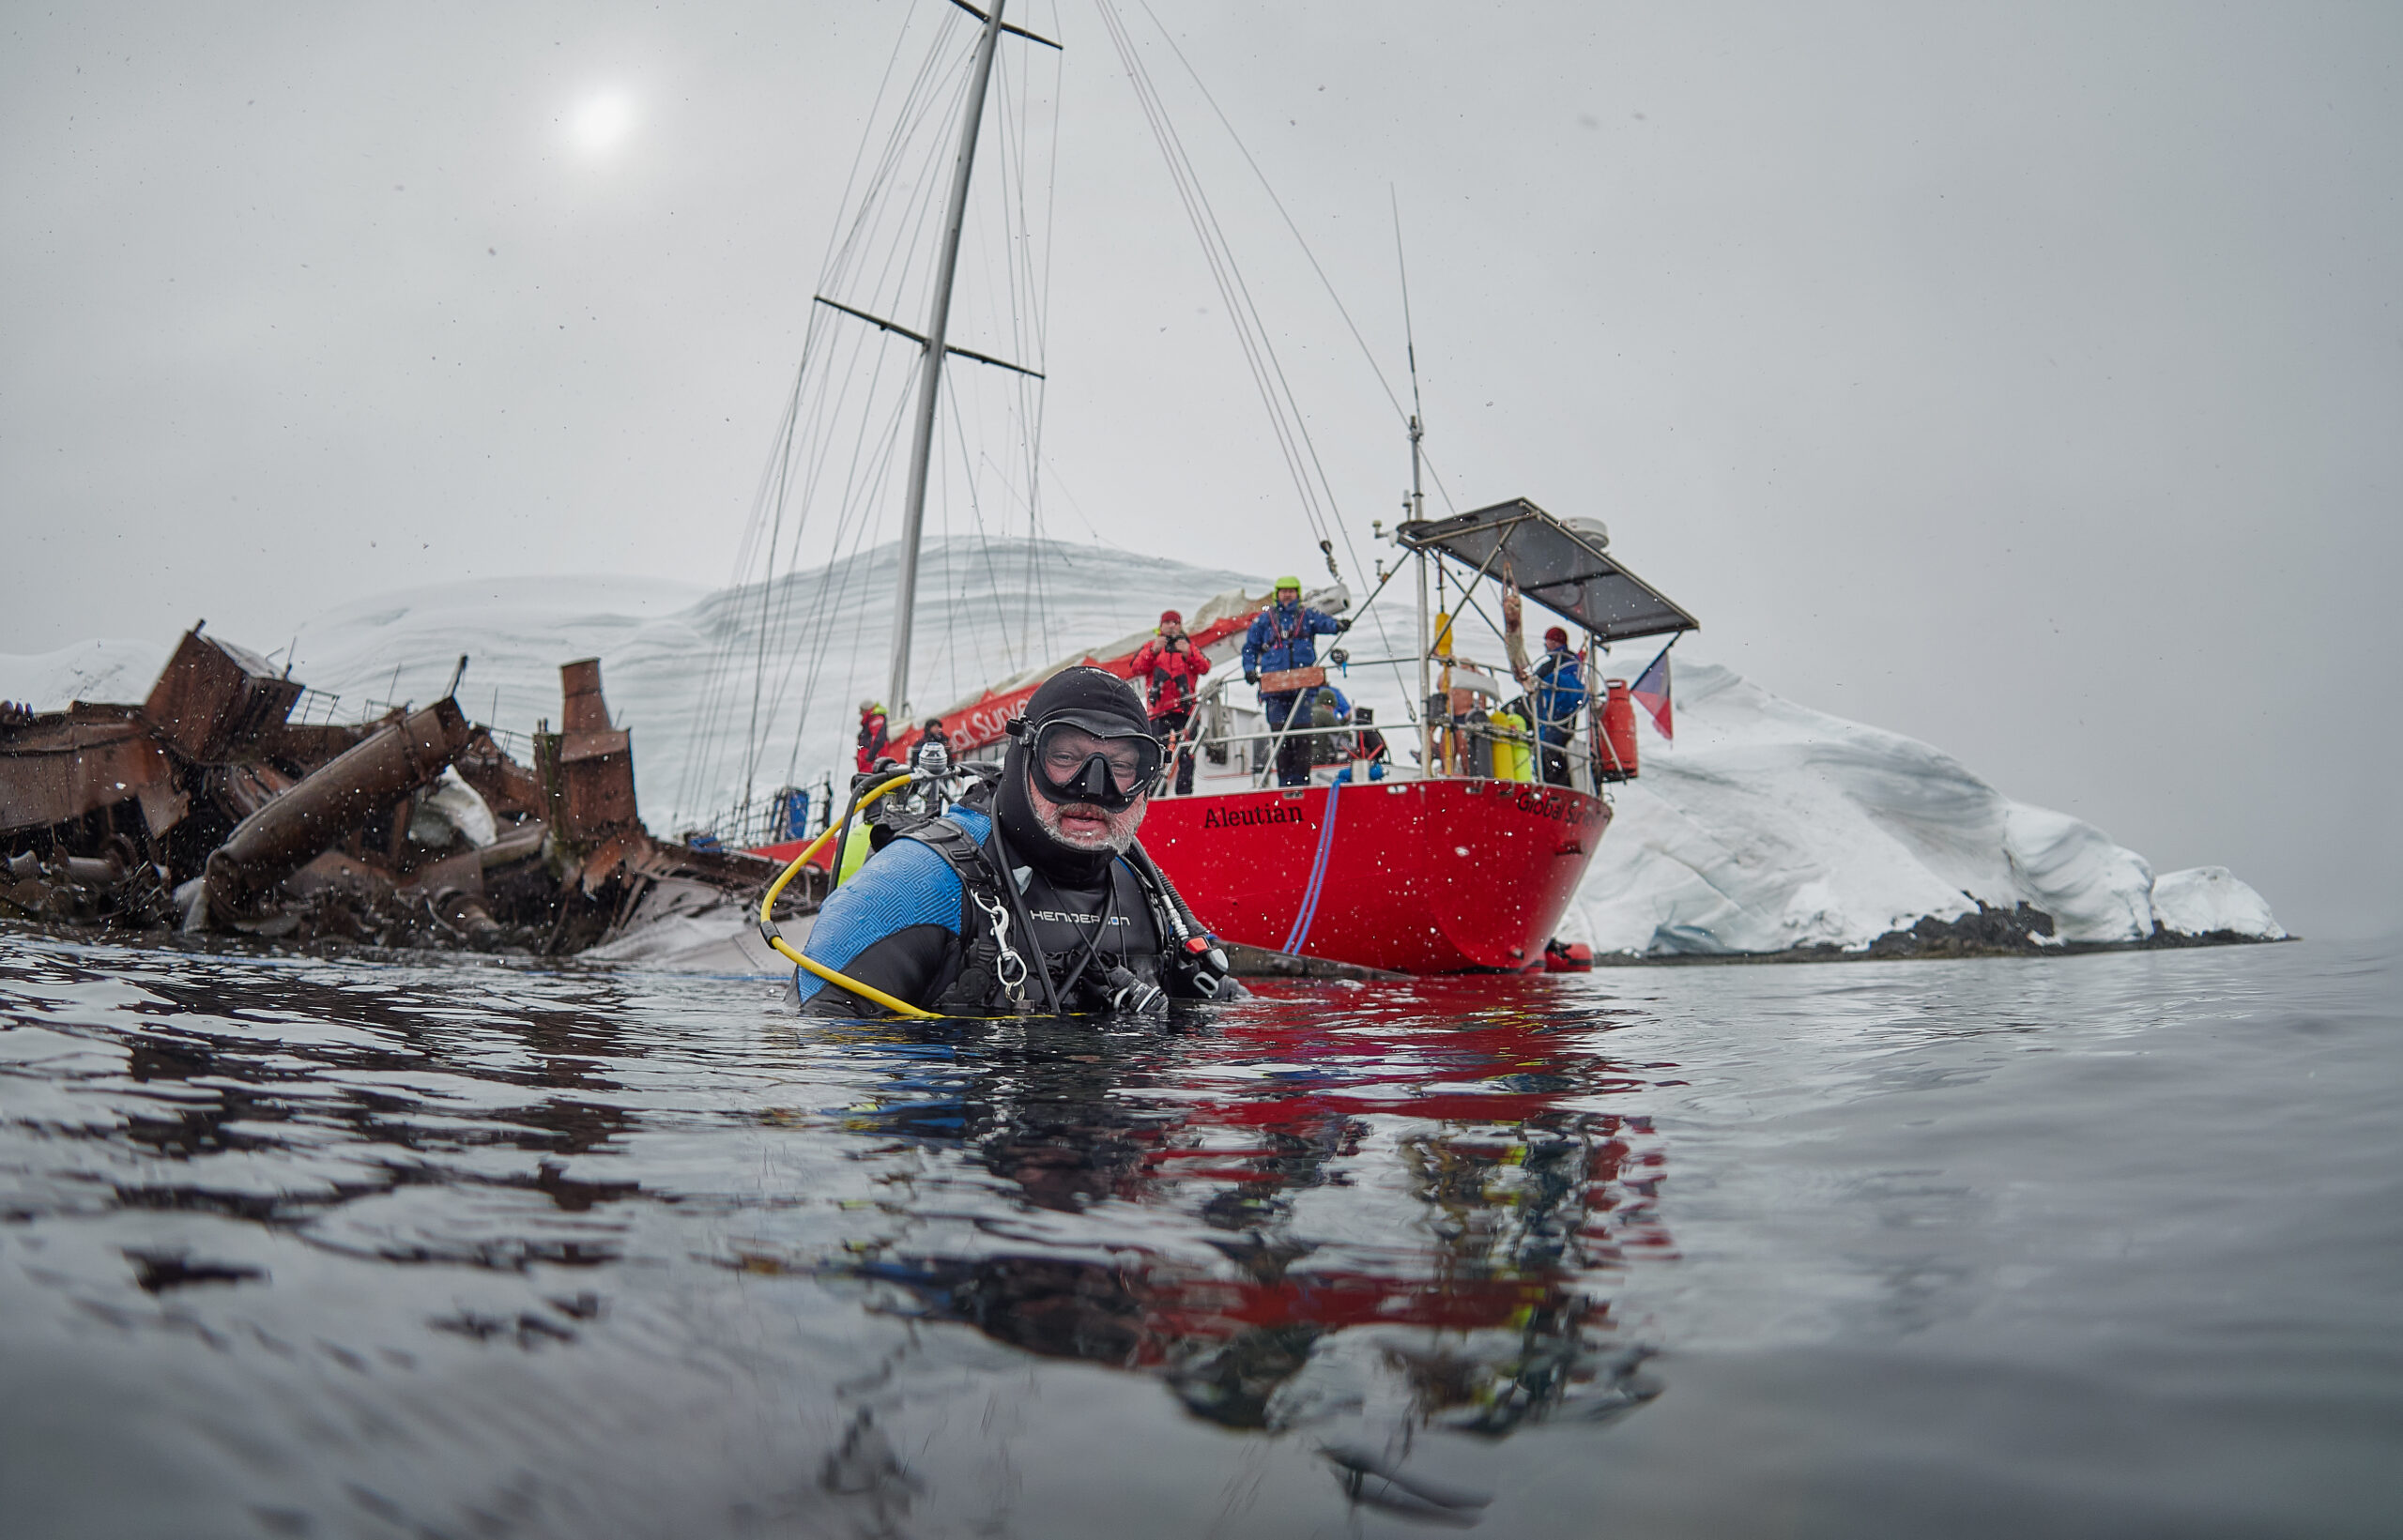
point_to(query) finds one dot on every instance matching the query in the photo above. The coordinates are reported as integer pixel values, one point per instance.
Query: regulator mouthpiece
(1129, 993)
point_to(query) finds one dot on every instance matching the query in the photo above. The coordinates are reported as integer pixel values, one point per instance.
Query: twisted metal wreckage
(209, 807)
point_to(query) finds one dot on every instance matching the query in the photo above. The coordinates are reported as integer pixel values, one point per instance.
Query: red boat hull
(1414, 876)
(1418, 877)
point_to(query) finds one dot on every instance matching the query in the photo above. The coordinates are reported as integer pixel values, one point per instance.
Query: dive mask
(1098, 760)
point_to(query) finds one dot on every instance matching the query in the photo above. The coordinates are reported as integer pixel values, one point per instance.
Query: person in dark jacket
(1030, 893)
(1323, 711)
(1282, 636)
(1559, 693)
(1174, 667)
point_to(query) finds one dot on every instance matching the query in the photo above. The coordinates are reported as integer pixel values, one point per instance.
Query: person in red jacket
(1174, 667)
(872, 735)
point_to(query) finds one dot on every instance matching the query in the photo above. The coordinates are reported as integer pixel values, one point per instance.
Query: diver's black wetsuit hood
(1097, 699)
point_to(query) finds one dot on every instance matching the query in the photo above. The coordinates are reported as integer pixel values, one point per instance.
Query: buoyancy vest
(1075, 938)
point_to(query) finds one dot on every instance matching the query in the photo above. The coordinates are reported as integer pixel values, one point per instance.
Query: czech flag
(1651, 692)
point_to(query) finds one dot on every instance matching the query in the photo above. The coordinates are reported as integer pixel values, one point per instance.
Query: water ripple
(471, 1249)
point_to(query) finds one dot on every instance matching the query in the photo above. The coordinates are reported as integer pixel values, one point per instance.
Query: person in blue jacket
(1559, 693)
(1281, 638)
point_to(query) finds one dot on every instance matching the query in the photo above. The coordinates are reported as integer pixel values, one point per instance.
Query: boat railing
(1250, 749)
(519, 746)
(787, 813)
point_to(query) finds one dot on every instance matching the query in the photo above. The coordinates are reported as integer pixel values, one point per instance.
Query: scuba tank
(1477, 746)
(857, 846)
(1511, 754)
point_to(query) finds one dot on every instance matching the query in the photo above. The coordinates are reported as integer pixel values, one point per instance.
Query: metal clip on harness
(1009, 966)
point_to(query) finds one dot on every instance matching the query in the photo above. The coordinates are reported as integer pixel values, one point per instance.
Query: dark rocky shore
(2021, 932)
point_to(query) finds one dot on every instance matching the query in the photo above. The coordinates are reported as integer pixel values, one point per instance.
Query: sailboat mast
(1417, 506)
(1418, 501)
(913, 518)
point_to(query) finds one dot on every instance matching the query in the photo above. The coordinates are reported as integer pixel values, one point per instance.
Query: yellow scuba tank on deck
(1514, 757)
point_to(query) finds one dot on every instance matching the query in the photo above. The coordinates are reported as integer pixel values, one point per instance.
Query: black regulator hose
(1186, 922)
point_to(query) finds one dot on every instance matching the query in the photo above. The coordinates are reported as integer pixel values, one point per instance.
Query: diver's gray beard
(1120, 834)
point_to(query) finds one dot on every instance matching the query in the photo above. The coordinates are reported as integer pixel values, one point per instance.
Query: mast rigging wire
(869, 257)
(1365, 352)
(1251, 337)
(1285, 415)
(719, 681)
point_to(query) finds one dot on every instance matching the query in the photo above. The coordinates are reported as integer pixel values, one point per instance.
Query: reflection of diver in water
(1521, 1198)
(1044, 1115)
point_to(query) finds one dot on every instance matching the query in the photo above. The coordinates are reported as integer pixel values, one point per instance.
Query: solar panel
(1564, 570)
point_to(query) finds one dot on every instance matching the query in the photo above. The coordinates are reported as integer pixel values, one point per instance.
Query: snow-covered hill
(1767, 826)
(663, 648)
(116, 668)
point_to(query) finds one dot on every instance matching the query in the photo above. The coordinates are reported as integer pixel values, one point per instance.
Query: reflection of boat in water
(1509, 1205)
(1448, 860)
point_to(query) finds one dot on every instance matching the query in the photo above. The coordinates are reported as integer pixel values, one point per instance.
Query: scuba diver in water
(1088, 923)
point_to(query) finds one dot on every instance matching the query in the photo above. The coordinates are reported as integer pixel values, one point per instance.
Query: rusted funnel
(587, 711)
(589, 766)
(340, 796)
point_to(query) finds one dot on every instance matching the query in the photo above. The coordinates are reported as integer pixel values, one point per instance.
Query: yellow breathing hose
(768, 925)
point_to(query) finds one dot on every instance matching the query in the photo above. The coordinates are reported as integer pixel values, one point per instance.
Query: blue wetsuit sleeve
(892, 926)
(1323, 623)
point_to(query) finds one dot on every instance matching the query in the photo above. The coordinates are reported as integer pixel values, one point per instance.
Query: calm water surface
(2106, 1245)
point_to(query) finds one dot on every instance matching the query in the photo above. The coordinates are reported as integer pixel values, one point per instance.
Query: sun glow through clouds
(600, 122)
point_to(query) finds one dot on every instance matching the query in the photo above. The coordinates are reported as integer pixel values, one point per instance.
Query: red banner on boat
(1651, 692)
(986, 719)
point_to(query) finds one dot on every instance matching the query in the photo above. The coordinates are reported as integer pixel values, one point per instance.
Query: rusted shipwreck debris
(209, 806)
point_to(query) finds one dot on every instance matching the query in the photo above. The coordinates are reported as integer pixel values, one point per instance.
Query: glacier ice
(1767, 826)
(2206, 900)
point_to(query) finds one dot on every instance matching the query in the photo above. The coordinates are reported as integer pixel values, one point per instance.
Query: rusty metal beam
(346, 794)
(213, 697)
(64, 765)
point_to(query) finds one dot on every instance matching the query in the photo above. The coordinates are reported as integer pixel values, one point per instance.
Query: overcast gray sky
(2025, 378)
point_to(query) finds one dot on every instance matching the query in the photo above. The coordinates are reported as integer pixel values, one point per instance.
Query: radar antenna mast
(1415, 505)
